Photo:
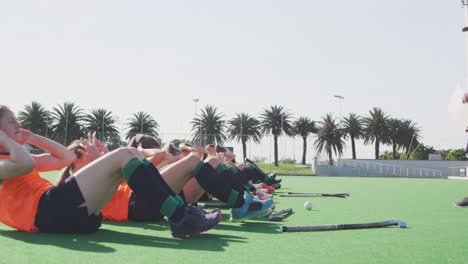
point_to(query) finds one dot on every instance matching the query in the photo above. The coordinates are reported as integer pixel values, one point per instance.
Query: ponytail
(65, 174)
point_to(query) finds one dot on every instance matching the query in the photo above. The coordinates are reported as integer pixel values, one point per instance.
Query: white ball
(308, 205)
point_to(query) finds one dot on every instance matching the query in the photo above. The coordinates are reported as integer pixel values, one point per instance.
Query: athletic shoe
(268, 188)
(206, 212)
(276, 186)
(272, 176)
(257, 185)
(251, 208)
(262, 196)
(194, 222)
(276, 181)
(463, 203)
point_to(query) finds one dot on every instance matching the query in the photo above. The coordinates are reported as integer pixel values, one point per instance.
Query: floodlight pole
(102, 133)
(340, 97)
(195, 100)
(66, 126)
(465, 31)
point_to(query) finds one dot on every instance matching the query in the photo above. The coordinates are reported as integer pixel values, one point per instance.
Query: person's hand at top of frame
(89, 149)
(98, 143)
(186, 149)
(465, 98)
(229, 156)
(229, 164)
(24, 136)
(215, 159)
(210, 150)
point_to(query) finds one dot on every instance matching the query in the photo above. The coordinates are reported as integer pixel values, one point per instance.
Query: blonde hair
(68, 171)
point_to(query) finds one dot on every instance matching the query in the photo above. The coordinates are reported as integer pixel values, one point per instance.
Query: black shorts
(59, 211)
(141, 210)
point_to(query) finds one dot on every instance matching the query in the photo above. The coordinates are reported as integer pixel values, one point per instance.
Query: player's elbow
(24, 166)
(28, 165)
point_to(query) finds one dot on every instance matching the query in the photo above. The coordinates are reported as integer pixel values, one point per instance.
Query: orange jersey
(117, 208)
(19, 199)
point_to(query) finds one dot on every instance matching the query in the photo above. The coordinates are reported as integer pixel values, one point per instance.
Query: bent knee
(193, 158)
(125, 153)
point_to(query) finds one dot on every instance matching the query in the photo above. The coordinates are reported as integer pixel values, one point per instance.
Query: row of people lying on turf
(31, 203)
(127, 205)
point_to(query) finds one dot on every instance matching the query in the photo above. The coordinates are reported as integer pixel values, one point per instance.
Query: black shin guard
(252, 175)
(145, 183)
(237, 179)
(218, 186)
(257, 173)
(159, 179)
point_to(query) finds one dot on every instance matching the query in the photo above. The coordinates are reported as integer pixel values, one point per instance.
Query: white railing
(458, 171)
(365, 168)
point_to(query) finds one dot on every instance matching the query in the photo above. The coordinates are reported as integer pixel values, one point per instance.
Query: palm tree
(410, 136)
(303, 127)
(67, 120)
(208, 127)
(142, 123)
(276, 121)
(243, 128)
(395, 129)
(376, 129)
(329, 137)
(353, 127)
(34, 118)
(102, 122)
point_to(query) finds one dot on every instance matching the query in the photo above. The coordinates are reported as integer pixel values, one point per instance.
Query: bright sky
(406, 57)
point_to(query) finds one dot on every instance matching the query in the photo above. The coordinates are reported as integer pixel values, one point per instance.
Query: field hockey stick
(280, 215)
(398, 223)
(338, 195)
(4, 153)
(341, 194)
(213, 205)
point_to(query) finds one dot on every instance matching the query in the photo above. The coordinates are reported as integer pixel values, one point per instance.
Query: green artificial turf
(437, 231)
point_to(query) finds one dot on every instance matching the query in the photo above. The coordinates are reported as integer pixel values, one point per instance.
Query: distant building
(435, 157)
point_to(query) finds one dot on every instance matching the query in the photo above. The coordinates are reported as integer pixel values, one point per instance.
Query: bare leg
(177, 174)
(99, 180)
(193, 191)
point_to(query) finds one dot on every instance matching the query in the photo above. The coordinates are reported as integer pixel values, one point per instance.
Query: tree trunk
(275, 139)
(304, 150)
(330, 156)
(377, 148)
(394, 150)
(353, 147)
(244, 148)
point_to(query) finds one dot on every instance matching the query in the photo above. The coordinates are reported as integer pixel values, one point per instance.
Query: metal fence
(366, 168)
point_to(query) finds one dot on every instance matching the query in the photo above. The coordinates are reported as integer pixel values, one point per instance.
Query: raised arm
(19, 163)
(57, 157)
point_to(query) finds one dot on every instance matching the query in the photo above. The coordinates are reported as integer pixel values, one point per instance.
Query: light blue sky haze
(406, 57)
